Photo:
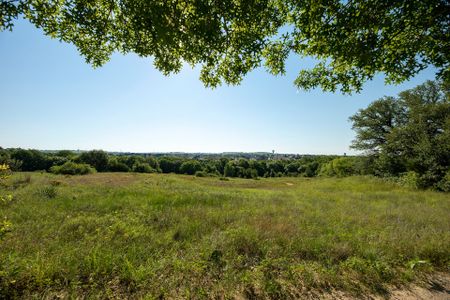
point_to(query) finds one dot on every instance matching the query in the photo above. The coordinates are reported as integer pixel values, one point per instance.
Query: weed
(416, 263)
(5, 200)
(49, 192)
(5, 227)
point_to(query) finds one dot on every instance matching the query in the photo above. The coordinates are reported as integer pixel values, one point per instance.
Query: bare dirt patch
(435, 287)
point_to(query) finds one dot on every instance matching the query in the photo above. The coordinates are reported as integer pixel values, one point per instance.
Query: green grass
(172, 236)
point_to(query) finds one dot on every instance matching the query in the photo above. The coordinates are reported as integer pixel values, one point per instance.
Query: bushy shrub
(210, 168)
(309, 169)
(409, 179)
(444, 184)
(31, 160)
(48, 192)
(364, 165)
(275, 167)
(5, 171)
(250, 173)
(65, 153)
(96, 158)
(57, 160)
(342, 166)
(229, 170)
(143, 168)
(116, 166)
(292, 168)
(190, 167)
(152, 162)
(170, 165)
(201, 174)
(72, 168)
(14, 164)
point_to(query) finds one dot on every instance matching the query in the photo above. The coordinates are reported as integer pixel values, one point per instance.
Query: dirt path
(436, 288)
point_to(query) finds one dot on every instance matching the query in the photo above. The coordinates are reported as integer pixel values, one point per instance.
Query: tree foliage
(31, 160)
(410, 133)
(96, 158)
(351, 41)
(190, 167)
(340, 167)
(375, 123)
(72, 168)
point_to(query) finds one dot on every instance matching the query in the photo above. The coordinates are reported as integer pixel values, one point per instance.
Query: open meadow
(165, 236)
(225, 150)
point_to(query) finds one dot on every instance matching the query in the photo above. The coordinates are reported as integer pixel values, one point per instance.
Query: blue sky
(51, 99)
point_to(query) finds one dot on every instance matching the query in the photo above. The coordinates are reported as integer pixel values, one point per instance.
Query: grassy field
(172, 236)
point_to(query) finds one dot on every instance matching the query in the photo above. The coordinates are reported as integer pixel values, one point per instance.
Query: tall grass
(173, 236)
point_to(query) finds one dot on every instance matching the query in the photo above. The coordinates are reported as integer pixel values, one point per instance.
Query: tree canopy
(375, 123)
(409, 133)
(351, 41)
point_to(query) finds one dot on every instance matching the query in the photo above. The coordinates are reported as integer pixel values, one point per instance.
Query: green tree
(229, 170)
(374, 123)
(114, 165)
(5, 158)
(292, 168)
(351, 41)
(408, 133)
(170, 165)
(152, 162)
(210, 167)
(309, 169)
(259, 166)
(140, 167)
(31, 160)
(342, 166)
(131, 160)
(424, 141)
(96, 158)
(65, 153)
(274, 167)
(190, 167)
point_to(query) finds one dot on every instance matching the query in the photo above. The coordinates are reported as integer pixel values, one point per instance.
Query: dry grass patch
(103, 179)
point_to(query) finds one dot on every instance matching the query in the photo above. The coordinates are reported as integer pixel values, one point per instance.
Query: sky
(51, 99)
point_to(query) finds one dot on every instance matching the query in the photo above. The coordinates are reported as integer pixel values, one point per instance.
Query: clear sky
(51, 99)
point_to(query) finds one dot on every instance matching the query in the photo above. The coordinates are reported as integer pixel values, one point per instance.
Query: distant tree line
(69, 162)
(404, 138)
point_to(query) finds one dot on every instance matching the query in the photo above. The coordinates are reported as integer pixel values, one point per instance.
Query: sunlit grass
(153, 235)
